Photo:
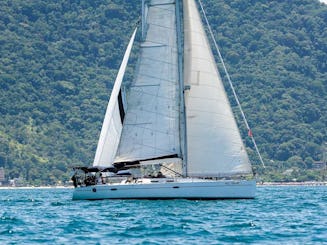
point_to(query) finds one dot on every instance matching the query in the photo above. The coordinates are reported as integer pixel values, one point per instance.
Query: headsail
(151, 126)
(112, 124)
(215, 147)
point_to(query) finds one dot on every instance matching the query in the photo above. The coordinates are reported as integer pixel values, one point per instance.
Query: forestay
(112, 124)
(214, 145)
(151, 126)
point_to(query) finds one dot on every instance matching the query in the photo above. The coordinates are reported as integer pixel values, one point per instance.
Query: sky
(323, 1)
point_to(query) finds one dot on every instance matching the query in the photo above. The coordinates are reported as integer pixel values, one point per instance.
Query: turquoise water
(284, 215)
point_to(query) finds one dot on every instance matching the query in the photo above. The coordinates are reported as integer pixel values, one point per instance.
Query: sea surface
(278, 215)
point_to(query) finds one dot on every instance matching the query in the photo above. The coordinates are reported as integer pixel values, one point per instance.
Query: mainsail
(151, 125)
(214, 145)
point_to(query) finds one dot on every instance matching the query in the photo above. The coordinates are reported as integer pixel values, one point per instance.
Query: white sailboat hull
(174, 189)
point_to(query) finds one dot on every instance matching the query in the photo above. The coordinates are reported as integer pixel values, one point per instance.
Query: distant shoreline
(259, 184)
(34, 187)
(307, 183)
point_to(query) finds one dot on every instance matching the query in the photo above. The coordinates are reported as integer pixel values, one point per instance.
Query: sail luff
(112, 124)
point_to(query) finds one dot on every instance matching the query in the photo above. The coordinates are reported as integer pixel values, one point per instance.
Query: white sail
(112, 124)
(214, 145)
(151, 126)
(155, 122)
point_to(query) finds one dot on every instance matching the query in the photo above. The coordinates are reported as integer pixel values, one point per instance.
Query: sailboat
(173, 134)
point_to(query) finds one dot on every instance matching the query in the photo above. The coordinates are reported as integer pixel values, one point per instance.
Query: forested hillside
(58, 60)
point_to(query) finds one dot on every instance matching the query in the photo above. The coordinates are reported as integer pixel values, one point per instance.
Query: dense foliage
(58, 60)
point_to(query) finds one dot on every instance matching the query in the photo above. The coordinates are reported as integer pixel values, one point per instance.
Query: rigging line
(175, 172)
(230, 83)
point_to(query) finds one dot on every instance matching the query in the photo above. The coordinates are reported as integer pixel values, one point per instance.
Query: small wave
(150, 230)
(6, 231)
(77, 226)
(243, 239)
(56, 204)
(133, 229)
(307, 204)
(8, 219)
(202, 232)
(241, 225)
(29, 200)
(121, 215)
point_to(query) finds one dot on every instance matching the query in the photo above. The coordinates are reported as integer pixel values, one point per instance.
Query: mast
(182, 121)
